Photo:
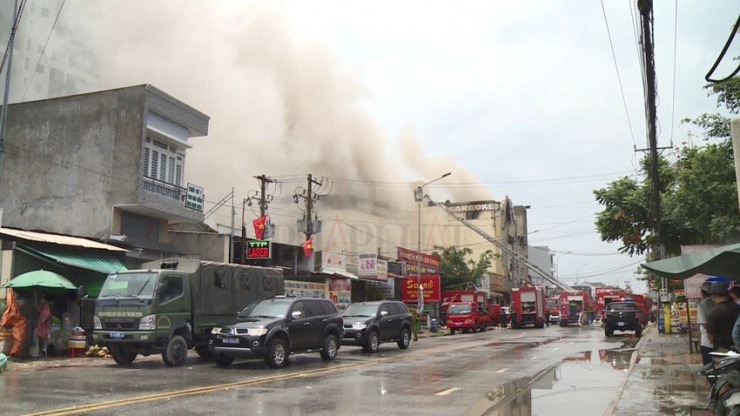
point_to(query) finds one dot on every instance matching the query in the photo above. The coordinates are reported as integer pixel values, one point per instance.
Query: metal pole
(419, 196)
(4, 114)
(420, 305)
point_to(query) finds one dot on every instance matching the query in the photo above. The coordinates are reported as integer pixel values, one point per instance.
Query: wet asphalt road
(550, 371)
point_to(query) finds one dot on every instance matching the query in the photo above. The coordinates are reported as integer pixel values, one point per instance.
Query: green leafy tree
(457, 270)
(699, 201)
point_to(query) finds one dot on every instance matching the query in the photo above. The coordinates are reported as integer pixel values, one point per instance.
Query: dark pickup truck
(622, 316)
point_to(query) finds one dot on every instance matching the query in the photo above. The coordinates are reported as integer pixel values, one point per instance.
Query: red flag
(259, 226)
(308, 247)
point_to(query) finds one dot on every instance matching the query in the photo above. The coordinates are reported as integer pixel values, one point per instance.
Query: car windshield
(618, 306)
(459, 309)
(361, 309)
(552, 303)
(138, 285)
(270, 308)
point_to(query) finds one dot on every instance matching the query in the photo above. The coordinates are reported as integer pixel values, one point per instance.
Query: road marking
(448, 391)
(167, 395)
(534, 357)
(555, 349)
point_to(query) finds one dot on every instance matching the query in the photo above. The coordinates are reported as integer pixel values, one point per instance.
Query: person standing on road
(722, 317)
(702, 317)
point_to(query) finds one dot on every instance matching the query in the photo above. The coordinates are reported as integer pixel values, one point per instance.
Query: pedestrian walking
(415, 324)
(722, 317)
(702, 317)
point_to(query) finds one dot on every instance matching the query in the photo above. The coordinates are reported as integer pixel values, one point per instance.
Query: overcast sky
(519, 99)
(526, 96)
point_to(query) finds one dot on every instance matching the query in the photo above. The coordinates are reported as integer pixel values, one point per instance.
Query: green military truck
(171, 305)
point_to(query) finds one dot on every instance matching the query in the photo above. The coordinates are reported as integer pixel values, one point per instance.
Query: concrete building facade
(107, 165)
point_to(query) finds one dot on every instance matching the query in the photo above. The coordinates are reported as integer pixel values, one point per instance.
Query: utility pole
(309, 205)
(4, 113)
(264, 180)
(646, 19)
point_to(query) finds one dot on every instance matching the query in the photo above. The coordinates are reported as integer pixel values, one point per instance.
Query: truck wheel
(330, 346)
(277, 354)
(405, 339)
(203, 351)
(223, 360)
(121, 355)
(175, 352)
(371, 345)
(475, 328)
(452, 331)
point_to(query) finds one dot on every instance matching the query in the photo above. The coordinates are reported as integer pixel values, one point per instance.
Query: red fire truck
(448, 296)
(575, 306)
(643, 305)
(605, 296)
(528, 306)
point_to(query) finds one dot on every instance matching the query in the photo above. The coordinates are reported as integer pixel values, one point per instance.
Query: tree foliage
(457, 271)
(698, 191)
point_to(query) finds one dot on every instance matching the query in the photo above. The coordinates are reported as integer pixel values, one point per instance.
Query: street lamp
(418, 197)
(579, 268)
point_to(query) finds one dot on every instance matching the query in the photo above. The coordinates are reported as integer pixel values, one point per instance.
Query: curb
(633, 360)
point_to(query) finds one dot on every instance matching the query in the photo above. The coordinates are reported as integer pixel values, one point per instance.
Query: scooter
(723, 373)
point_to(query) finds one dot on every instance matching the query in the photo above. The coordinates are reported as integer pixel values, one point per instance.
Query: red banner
(430, 285)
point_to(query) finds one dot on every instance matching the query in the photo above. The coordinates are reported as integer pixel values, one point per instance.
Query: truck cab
(467, 317)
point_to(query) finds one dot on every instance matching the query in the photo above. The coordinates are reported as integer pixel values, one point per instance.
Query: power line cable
(722, 55)
(59, 12)
(619, 78)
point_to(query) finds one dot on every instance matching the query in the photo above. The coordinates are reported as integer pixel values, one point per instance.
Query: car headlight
(215, 330)
(359, 325)
(148, 323)
(96, 323)
(257, 331)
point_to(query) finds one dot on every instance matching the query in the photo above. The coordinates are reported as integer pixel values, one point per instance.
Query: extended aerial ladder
(503, 247)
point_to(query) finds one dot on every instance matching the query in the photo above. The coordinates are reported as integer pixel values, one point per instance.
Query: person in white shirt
(702, 315)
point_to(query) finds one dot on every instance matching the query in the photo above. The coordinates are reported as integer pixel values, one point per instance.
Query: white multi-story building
(46, 62)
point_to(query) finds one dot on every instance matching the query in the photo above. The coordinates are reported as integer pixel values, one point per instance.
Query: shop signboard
(414, 259)
(259, 250)
(298, 288)
(370, 267)
(339, 292)
(430, 285)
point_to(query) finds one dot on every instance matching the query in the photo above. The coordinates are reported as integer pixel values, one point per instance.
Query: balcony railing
(171, 191)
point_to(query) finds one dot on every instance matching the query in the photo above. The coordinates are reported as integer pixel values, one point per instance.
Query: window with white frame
(163, 163)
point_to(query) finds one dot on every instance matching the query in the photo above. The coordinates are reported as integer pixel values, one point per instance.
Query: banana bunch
(95, 351)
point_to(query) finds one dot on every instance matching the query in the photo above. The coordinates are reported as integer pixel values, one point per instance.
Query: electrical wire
(619, 78)
(59, 12)
(13, 30)
(722, 55)
(675, 54)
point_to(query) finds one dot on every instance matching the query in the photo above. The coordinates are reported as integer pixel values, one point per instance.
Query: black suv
(276, 327)
(622, 316)
(370, 323)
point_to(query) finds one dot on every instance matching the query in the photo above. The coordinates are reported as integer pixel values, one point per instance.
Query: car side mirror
(296, 315)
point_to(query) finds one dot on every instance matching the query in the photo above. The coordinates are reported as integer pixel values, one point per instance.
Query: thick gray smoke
(278, 106)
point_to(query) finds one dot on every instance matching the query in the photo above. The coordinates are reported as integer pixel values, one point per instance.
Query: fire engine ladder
(503, 247)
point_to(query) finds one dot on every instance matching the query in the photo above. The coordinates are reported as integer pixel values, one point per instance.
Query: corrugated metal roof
(59, 239)
(103, 263)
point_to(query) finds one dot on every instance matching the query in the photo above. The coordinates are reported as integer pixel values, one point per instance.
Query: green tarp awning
(721, 261)
(98, 262)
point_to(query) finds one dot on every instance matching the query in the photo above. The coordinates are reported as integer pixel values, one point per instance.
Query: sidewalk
(663, 379)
